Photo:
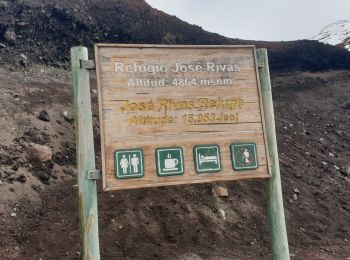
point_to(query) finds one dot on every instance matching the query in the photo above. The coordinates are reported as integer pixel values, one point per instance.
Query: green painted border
(195, 158)
(234, 166)
(278, 231)
(129, 177)
(171, 174)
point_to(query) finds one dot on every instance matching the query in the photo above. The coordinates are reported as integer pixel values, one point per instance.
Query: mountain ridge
(44, 31)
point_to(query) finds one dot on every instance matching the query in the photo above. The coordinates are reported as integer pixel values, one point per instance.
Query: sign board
(174, 115)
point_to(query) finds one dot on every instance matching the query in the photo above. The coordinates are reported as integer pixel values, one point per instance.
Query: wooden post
(90, 249)
(278, 232)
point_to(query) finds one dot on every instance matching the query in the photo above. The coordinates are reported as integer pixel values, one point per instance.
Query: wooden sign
(174, 115)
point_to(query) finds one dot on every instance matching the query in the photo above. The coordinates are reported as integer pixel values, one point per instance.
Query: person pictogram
(246, 155)
(124, 164)
(135, 161)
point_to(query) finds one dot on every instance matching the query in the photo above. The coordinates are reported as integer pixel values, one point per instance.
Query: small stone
(220, 191)
(297, 175)
(307, 153)
(44, 177)
(21, 179)
(346, 106)
(296, 191)
(325, 163)
(16, 248)
(1, 183)
(307, 132)
(222, 214)
(285, 128)
(10, 36)
(345, 171)
(2, 45)
(331, 154)
(36, 187)
(13, 214)
(39, 152)
(4, 4)
(295, 196)
(44, 116)
(336, 167)
(347, 182)
(24, 60)
(12, 189)
(68, 116)
(290, 201)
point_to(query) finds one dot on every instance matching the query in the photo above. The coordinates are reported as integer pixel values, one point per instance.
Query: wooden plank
(181, 46)
(218, 102)
(85, 156)
(278, 231)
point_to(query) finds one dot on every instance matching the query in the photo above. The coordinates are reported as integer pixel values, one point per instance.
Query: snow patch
(335, 33)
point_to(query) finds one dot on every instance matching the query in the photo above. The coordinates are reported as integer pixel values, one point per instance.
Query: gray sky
(258, 19)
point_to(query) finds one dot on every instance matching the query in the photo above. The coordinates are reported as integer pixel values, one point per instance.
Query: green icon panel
(244, 156)
(129, 163)
(207, 158)
(170, 161)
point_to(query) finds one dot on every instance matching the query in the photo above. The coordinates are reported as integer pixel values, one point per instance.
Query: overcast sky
(258, 19)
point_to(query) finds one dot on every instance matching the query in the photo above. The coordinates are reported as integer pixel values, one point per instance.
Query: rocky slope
(337, 34)
(39, 200)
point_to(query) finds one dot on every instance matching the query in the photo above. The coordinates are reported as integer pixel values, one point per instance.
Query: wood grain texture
(126, 124)
(85, 156)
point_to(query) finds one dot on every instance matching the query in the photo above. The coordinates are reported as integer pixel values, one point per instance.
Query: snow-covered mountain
(337, 34)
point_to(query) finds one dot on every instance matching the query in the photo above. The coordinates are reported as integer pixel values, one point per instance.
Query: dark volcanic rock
(46, 30)
(44, 116)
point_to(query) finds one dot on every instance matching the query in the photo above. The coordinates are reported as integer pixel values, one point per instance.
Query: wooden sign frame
(113, 93)
(86, 158)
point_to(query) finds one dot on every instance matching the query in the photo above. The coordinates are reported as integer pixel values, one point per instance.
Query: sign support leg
(278, 232)
(85, 156)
